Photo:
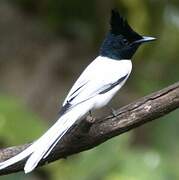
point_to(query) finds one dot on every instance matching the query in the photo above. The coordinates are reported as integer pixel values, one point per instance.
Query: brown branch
(90, 133)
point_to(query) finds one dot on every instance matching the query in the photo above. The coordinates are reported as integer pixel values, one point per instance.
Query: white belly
(103, 99)
(119, 66)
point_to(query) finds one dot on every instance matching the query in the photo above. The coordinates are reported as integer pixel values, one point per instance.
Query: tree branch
(90, 133)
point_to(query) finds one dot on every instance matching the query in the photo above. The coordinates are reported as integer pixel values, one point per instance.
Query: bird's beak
(145, 39)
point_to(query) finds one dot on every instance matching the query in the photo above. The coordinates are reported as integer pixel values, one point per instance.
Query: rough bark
(89, 133)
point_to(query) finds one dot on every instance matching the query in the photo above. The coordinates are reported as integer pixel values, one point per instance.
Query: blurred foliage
(117, 160)
(17, 124)
(150, 152)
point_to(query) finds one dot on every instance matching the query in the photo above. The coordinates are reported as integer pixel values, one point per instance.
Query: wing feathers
(101, 76)
(111, 86)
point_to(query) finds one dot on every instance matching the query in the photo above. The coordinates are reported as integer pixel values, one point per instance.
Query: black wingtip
(119, 25)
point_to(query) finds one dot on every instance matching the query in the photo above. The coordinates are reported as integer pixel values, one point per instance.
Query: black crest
(120, 42)
(120, 26)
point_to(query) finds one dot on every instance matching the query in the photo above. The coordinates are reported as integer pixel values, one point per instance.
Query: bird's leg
(113, 111)
(90, 113)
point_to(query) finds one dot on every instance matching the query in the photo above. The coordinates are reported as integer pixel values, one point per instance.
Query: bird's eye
(125, 41)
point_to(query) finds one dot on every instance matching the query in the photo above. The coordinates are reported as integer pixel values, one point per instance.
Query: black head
(122, 41)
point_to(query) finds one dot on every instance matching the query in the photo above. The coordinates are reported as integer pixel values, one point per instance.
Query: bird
(94, 88)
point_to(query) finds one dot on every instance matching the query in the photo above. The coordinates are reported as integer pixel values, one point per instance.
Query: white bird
(95, 87)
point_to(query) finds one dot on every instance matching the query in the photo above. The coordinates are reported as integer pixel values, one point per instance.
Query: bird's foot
(90, 118)
(113, 111)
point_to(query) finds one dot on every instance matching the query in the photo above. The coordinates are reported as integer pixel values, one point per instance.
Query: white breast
(111, 70)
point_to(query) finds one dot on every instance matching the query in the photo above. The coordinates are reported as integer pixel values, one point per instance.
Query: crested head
(120, 27)
(122, 41)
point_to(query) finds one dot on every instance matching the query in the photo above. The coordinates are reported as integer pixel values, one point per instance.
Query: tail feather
(54, 134)
(49, 140)
(53, 145)
(36, 156)
(24, 154)
(42, 147)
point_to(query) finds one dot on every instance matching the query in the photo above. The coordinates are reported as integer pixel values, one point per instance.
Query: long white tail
(43, 146)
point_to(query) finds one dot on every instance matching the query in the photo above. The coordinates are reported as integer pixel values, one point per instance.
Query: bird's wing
(99, 77)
